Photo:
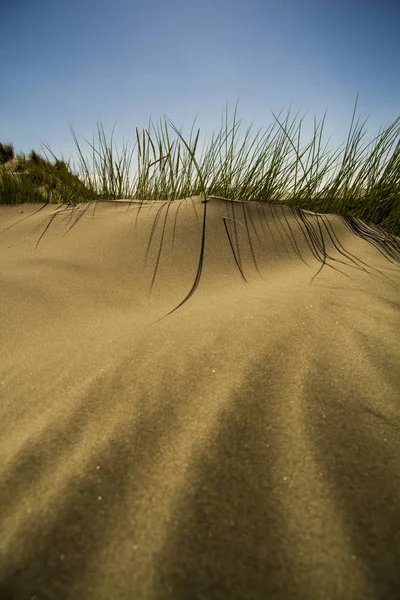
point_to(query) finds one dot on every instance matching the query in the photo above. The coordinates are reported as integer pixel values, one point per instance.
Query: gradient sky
(123, 61)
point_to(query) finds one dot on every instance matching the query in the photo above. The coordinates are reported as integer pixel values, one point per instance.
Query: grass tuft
(273, 165)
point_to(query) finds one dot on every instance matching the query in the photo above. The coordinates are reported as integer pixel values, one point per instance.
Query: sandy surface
(245, 445)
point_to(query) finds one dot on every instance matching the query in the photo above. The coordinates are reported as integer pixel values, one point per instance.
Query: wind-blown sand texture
(246, 445)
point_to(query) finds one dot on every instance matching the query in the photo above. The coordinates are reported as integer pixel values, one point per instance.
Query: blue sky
(123, 61)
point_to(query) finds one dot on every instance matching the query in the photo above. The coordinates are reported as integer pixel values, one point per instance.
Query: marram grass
(271, 165)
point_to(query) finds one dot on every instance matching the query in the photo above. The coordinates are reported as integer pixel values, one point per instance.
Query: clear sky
(123, 61)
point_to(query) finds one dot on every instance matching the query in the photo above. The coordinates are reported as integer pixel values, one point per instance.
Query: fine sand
(245, 445)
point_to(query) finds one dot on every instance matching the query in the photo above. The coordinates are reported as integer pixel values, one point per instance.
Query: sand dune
(198, 401)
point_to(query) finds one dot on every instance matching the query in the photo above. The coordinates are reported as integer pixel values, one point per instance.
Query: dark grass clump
(36, 179)
(6, 153)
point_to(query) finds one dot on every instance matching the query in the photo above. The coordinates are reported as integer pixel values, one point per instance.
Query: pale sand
(245, 446)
